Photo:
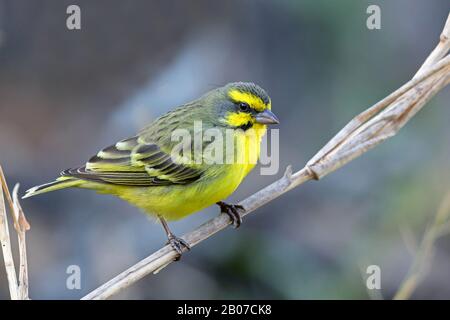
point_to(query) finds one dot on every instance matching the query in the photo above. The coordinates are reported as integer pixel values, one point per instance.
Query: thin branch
(24, 223)
(6, 245)
(8, 195)
(164, 256)
(419, 267)
(373, 126)
(17, 291)
(21, 234)
(440, 51)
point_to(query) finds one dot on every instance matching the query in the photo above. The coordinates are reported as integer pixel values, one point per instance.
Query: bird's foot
(175, 242)
(178, 244)
(232, 210)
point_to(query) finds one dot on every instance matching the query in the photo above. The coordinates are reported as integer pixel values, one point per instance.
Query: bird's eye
(244, 106)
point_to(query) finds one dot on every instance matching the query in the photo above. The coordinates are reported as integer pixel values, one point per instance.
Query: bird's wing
(136, 162)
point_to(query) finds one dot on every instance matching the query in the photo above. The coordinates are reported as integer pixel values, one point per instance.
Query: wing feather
(133, 163)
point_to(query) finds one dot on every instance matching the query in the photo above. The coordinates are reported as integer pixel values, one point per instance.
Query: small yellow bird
(149, 171)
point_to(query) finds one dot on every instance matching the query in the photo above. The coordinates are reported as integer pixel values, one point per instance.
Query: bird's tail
(60, 183)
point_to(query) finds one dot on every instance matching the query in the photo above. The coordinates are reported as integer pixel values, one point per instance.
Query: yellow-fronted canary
(145, 171)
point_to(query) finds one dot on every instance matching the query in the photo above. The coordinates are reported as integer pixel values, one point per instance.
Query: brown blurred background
(65, 94)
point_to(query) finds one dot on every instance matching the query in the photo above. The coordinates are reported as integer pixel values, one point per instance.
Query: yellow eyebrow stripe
(253, 101)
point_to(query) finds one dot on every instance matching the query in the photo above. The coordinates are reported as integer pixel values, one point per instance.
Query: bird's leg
(232, 210)
(176, 242)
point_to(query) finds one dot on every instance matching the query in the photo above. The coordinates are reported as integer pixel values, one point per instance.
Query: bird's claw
(178, 244)
(232, 210)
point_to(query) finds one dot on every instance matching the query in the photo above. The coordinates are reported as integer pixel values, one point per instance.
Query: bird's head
(243, 105)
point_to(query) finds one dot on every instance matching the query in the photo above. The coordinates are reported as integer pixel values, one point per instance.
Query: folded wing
(133, 162)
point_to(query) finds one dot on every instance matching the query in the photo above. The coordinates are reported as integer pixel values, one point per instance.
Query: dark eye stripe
(246, 126)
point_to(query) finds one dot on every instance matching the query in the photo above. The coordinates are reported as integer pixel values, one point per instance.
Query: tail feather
(60, 183)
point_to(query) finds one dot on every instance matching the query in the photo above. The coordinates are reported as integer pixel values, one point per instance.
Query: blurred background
(66, 94)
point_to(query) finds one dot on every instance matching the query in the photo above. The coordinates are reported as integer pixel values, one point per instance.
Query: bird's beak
(266, 117)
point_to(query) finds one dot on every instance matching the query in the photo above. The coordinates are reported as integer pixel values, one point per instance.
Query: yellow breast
(177, 201)
(248, 147)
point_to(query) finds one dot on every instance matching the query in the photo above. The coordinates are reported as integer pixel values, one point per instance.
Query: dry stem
(6, 247)
(424, 254)
(17, 291)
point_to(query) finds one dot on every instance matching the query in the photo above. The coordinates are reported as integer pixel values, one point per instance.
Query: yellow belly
(177, 201)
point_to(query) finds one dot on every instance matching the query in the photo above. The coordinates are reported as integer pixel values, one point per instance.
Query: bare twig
(17, 291)
(440, 51)
(6, 246)
(425, 252)
(24, 223)
(21, 233)
(378, 123)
